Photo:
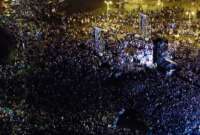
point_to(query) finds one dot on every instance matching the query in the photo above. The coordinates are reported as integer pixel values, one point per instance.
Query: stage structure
(144, 25)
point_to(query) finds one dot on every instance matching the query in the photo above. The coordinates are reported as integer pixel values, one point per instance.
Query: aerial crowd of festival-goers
(58, 82)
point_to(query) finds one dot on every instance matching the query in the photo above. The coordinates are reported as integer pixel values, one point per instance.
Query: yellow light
(159, 3)
(108, 2)
(193, 3)
(193, 13)
(177, 35)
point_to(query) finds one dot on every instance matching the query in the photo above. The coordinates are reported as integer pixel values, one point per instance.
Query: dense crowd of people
(59, 83)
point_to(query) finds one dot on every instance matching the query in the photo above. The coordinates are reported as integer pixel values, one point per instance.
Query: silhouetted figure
(7, 42)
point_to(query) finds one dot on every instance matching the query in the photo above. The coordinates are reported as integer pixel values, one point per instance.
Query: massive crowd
(59, 83)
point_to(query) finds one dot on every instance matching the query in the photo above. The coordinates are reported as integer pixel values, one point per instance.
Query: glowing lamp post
(108, 3)
(190, 14)
(160, 3)
(193, 13)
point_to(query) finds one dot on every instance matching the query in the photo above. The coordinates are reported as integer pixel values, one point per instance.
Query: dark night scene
(99, 67)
